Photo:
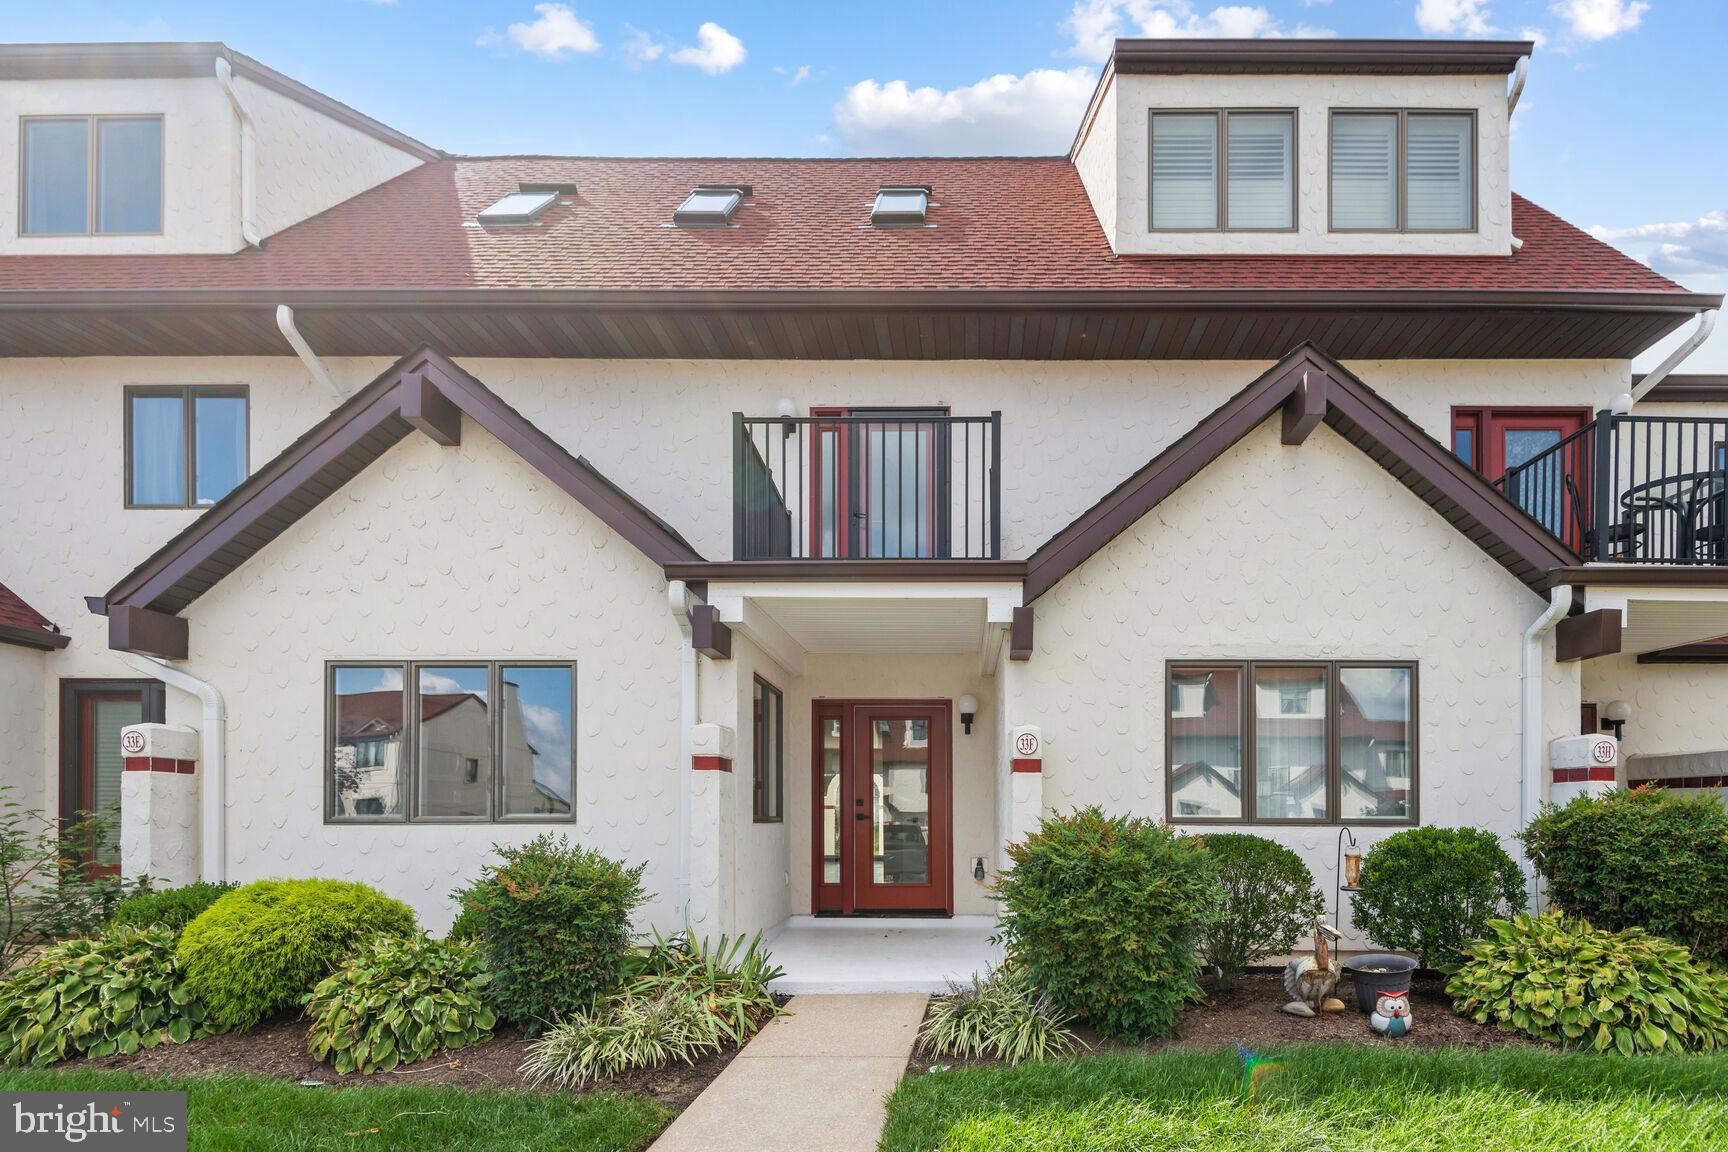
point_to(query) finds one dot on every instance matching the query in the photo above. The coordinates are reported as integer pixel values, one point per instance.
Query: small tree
(1269, 901)
(1432, 891)
(46, 892)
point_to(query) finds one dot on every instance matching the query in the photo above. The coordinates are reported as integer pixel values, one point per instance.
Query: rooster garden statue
(1311, 980)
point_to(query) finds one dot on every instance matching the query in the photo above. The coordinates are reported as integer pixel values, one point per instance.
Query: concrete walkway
(813, 1079)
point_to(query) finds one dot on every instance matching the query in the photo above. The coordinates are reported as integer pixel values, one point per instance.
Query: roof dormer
(1273, 147)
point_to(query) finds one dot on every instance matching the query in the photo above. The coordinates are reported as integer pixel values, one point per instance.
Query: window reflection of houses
(901, 787)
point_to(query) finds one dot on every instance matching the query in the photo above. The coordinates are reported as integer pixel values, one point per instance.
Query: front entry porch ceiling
(1658, 617)
(789, 620)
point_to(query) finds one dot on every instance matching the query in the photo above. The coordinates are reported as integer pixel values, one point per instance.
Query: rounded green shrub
(117, 993)
(554, 925)
(398, 1000)
(1432, 890)
(173, 908)
(1105, 915)
(1269, 901)
(1559, 980)
(1646, 858)
(261, 948)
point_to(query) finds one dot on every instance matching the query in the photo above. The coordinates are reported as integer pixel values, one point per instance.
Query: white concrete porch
(880, 954)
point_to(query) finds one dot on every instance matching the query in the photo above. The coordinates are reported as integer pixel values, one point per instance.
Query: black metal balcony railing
(882, 485)
(1634, 489)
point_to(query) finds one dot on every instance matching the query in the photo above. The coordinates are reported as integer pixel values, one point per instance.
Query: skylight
(901, 204)
(710, 205)
(519, 207)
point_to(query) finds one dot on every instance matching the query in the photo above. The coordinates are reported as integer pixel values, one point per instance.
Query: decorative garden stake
(1391, 1015)
(1311, 979)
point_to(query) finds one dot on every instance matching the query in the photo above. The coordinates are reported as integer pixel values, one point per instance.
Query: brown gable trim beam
(1020, 640)
(708, 634)
(158, 634)
(1056, 324)
(1588, 635)
(33, 637)
(1375, 57)
(1306, 408)
(1358, 414)
(352, 437)
(183, 60)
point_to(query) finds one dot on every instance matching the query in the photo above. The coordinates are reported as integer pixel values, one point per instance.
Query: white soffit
(1655, 618)
(879, 624)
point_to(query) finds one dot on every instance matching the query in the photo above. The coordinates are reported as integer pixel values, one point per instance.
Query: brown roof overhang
(1377, 57)
(424, 390)
(33, 637)
(1057, 324)
(1687, 388)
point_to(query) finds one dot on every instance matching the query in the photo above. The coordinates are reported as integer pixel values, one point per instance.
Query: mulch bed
(278, 1049)
(1251, 1015)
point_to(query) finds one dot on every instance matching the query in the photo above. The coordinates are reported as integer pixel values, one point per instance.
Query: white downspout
(214, 857)
(1530, 767)
(248, 156)
(678, 600)
(291, 333)
(1622, 404)
(1520, 72)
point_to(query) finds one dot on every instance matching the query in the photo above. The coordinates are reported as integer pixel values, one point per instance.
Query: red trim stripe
(1026, 765)
(711, 763)
(1595, 773)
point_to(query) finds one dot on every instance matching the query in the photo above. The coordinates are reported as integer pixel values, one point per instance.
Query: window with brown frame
(1291, 742)
(1402, 170)
(768, 753)
(90, 175)
(185, 445)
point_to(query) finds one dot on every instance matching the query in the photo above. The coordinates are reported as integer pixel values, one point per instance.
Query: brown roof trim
(855, 570)
(33, 637)
(186, 60)
(1379, 57)
(352, 437)
(1687, 388)
(1713, 652)
(1657, 575)
(1357, 413)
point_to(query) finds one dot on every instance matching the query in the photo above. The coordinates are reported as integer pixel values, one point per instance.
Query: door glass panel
(900, 800)
(106, 719)
(1290, 743)
(898, 484)
(1542, 489)
(831, 800)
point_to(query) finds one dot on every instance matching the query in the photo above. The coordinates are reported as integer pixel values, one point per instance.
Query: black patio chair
(1622, 535)
(1711, 537)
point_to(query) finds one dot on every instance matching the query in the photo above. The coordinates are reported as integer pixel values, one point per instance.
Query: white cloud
(1535, 36)
(719, 51)
(794, 76)
(1005, 114)
(642, 48)
(1600, 19)
(1095, 24)
(1468, 17)
(555, 34)
(1677, 248)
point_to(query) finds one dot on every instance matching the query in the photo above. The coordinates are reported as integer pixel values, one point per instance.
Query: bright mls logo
(138, 1121)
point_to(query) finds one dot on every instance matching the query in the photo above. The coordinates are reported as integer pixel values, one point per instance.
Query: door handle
(860, 815)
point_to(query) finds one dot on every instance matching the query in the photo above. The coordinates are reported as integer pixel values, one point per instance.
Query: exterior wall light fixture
(968, 705)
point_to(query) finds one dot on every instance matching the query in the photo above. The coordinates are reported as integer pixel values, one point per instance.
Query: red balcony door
(1491, 440)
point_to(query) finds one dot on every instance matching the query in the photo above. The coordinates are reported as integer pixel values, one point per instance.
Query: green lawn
(235, 1113)
(1338, 1098)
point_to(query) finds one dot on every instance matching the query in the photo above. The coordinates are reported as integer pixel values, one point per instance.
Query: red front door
(883, 810)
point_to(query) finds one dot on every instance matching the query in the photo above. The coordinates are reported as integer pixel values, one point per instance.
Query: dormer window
(1253, 190)
(902, 204)
(710, 206)
(1403, 171)
(91, 175)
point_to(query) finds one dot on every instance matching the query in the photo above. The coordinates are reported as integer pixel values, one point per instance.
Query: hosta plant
(999, 1017)
(1562, 981)
(118, 993)
(399, 1000)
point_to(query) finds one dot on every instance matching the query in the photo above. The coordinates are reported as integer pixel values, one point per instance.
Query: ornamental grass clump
(1269, 901)
(118, 993)
(997, 1017)
(399, 1000)
(261, 948)
(1432, 890)
(1105, 915)
(1559, 980)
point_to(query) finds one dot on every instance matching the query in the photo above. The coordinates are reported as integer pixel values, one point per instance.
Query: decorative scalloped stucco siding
(1096, 163)
(1677, 707)
(1310, 552)
(23, 714)
(436, 553)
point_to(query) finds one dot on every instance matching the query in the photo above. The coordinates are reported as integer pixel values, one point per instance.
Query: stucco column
(1582, 766)
(712, 815)
(1023, 783)
(159, 804)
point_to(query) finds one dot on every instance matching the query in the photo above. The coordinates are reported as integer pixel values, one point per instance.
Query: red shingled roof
(22, 624)
(1001, 223)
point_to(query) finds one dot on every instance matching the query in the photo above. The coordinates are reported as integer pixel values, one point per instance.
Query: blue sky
(1620, 128)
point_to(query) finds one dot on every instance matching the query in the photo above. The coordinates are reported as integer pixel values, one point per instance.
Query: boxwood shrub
(1432, 890)
(1564, 982)
(173, 908)
(1105, 915)
(396, 1001)
(1647, 858)
(1269, 901)
(117, 993)
(553, 920)
(261, 948)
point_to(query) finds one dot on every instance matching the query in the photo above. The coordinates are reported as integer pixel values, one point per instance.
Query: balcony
(884, 484)
(1632, 489)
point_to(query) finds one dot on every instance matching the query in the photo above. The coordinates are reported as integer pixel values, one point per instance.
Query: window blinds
(1365, 170)
(1185, 170)
(1438, 162)
(1259, 160)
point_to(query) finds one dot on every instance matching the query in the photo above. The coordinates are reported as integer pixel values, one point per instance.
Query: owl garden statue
(1391, 1015)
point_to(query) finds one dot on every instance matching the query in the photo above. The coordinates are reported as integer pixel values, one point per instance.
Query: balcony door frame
(1487, 425)
(850, 475)
(77, 763)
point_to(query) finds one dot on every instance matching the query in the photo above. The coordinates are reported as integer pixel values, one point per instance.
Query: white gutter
(678, 600)
(214, 856)
(1530, 761)
(285, 321)
(248, 156)
(1706, 324)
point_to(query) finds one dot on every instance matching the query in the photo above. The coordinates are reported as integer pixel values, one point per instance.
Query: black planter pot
(1369, 985)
